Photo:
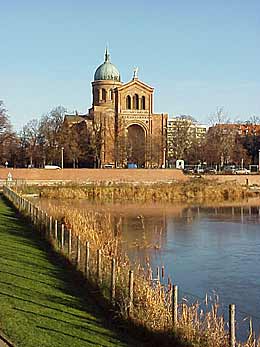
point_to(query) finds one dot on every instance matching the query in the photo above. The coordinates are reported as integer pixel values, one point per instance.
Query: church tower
(125, 129)
(106, 79)
(103, 112)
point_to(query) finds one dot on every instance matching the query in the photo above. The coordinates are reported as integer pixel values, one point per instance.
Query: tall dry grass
(198, 190)
(152, 306)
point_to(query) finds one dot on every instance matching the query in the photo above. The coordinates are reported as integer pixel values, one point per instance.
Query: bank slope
(40, 305)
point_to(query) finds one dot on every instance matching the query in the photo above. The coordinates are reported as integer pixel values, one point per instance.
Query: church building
(126, 132)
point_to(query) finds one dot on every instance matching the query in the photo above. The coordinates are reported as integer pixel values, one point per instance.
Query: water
(214, 250)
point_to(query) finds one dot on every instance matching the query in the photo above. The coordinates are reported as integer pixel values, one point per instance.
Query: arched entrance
(135, 145)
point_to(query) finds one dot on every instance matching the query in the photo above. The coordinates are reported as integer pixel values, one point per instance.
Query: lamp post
(62, 156)
(164, 159)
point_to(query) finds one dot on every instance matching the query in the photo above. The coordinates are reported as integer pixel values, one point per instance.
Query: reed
(197, 190)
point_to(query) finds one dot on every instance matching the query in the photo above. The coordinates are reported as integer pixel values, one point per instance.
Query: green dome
(107, 71)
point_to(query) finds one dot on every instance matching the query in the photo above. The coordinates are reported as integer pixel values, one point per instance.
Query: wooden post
(69, 244)
(87, 260)
(36, 215)
(130, 292)
(78, 252)
(33, 214)
(56, 230)
(41, 219)
(62, 236)
(99, 260)
(50, 226)
(158, 274)
(46, 229)
(113, 281)
(162, 271)
(232, 330)
(175, 305)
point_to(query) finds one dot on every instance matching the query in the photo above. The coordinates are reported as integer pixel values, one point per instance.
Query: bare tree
(30, 138)
(5, 125)
(97, 139)
(50, 132)
(8, 139)
(219, 117)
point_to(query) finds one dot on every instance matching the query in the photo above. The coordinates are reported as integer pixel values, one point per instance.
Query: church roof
(107, 71)
(137, 82)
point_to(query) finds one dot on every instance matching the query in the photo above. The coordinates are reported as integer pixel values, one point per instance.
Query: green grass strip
(40, 303)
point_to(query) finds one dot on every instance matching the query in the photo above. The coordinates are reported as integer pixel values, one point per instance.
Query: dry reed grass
(197, 190)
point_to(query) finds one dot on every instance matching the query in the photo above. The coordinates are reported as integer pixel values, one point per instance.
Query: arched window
(111, 94)
(96, 95)
(104, 94)
(128, 102)
(136, 102)
(143, 102)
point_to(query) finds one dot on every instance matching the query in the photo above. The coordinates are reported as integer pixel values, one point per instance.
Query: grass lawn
(40, 303)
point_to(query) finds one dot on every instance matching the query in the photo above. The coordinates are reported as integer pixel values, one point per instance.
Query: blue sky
(198, 55)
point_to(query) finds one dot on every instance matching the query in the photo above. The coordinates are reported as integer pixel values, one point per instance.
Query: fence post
(36, 216)
(46, 229)
(130, 292)
(87, 260)
(175, 305)
(33, 214)
(40, 219)
(62, 236)
(50, 227)
(113, 281)
(69, 244)
(56, 230)
(78, 253)
(99, 274)
(30, 211)
(232, 330)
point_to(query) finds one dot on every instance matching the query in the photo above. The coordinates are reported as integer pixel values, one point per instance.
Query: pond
(213, 249)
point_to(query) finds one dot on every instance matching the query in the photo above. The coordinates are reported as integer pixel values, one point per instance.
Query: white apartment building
(181, 130)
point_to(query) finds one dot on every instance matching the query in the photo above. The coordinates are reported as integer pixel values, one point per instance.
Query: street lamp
(164, 159)
(62, 155)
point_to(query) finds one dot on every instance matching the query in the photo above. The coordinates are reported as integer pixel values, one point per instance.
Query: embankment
(94, 175)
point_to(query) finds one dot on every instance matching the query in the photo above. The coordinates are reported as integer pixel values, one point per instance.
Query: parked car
(242, 171)
(108, 166)
(199, 170)
(230, 169)
(211, 170)
(51, 167)
(188, 170)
